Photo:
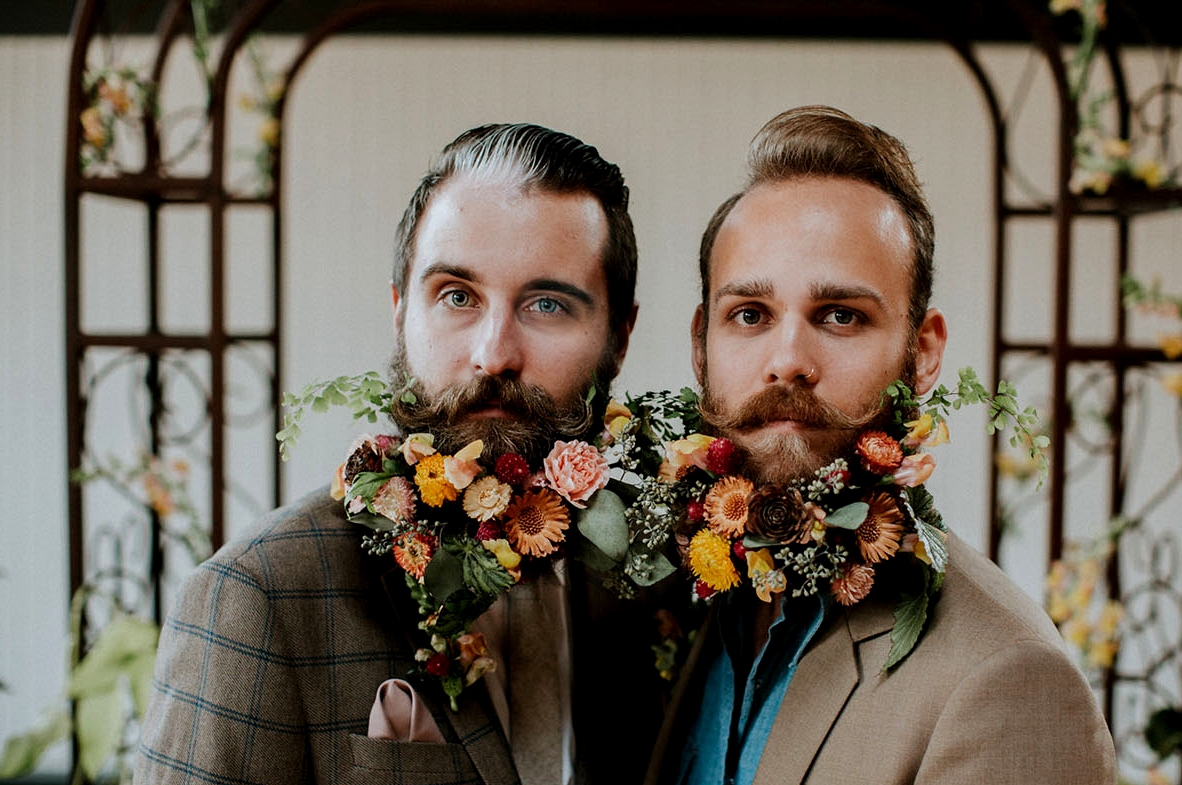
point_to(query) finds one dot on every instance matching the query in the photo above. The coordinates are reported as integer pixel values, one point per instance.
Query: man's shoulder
(981, 601)
(310, 536)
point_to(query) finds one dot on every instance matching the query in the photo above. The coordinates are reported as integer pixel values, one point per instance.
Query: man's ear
(623, 333)
(395, 300)
(929, 344)
(698, 342)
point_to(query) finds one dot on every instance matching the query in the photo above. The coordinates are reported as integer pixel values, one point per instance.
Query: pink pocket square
(399, 714)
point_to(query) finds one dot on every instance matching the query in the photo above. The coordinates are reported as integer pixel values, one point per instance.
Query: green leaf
(933, 542)
(651, 568)
(848, 517)
(444, 575)
(754, 542)
(139, 676)
(100, 723)
(23, 752)
(603, 523)
(1163, 732)
(117, 647)
(910, 616)
(596, 560)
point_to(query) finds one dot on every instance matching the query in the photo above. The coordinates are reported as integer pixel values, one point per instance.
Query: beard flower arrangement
(650, 495)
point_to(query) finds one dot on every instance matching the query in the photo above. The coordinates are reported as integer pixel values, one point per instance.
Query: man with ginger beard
(513, 293)
(816, 280)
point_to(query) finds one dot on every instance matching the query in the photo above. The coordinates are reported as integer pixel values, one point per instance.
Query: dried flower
(395, 500)
(852, 583)
(616, 418)
(779, 514)
(413, 551)
(486, 498)
(416, 447)
(765, 578)
(460, 469)
(880, 452)
(710, 560)
(433, 485)
(684, 454)
(512, 469)
(915, 470)
(722, 457)
(506, 556)
(726, 506)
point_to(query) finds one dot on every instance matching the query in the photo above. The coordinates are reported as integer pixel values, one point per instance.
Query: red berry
(695, 511)
(703, 590)
(489, 530)
(438, 664)
(512, 469)
(739, 549)
(722, 457)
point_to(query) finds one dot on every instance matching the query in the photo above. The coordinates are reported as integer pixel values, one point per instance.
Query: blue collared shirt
(728, 738)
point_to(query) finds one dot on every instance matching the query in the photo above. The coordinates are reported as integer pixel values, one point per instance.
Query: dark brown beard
(533, 421)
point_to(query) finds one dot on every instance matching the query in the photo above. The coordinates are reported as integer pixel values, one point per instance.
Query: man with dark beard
(513, 291)
(816, 280)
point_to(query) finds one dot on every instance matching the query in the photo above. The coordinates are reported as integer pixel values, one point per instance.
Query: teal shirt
(740, 703)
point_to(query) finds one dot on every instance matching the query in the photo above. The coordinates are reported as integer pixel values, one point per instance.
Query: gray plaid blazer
(271, 656)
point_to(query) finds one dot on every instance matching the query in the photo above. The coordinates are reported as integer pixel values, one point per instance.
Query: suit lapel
(475, 724)
(823, 682)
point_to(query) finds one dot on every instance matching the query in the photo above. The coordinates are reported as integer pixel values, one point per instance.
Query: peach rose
(576, 470)
(915, 470)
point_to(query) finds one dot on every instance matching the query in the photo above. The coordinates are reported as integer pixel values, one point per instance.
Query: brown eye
(748, 316)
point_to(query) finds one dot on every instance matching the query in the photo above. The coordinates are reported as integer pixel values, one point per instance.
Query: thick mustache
(798, 404)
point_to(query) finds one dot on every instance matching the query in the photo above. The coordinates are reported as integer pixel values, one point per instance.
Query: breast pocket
(410, 762)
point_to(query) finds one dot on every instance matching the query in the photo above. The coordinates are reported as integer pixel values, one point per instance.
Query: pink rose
(576, 470)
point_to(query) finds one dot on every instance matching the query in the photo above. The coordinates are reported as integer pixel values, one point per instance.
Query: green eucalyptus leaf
(651, 568)
(754, 542)
(596, 560)
(444, 575)
(100, 722)
(23, 752)
(603, 523)
(848, 517)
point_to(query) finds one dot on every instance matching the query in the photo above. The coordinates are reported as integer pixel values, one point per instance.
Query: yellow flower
(1115, 148)
(1171, 345)
(1173, 383)
(1101, 654)
(536, 521)
(764, 577)
(680, 455)
(269, 131)
(433, 485)
(710, 560)
(616, 418)
(1149, 171)
(1110, 618)
(1076, 632)
(1017, 465)
(93, 128)
(726, 506)
(506, 556)
(486, 498)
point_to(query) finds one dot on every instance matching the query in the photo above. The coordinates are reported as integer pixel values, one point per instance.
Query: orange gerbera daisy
(726, 506)
(535, 521)
(433, 485)
(880, 533)
(413, 552)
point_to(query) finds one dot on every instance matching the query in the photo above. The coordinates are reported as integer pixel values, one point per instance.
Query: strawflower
(710, 560)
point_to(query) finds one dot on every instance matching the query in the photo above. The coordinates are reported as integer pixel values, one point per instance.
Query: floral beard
(533, 421)
(779, 458)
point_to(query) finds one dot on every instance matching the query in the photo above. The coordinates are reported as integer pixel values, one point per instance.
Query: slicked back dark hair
(820, 141)
(532, 156)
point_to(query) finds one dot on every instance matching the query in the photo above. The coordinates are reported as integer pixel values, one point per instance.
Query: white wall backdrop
(364, 120)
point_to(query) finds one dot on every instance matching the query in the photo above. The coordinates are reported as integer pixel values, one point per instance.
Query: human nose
(792, 357)
(498, 349)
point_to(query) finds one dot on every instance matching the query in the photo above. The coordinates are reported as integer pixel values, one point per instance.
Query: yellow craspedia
(433, 485)
(710, 560)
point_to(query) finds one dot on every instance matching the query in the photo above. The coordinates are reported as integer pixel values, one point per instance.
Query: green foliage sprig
(1003, 407)
(366, 395)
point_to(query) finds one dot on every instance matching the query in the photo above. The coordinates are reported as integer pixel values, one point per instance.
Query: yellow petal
(471, 452)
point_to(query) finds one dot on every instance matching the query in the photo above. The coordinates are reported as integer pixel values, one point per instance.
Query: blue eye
(547, 305)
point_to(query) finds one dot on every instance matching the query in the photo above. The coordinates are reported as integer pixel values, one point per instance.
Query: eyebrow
(536, 285)
(762, 287)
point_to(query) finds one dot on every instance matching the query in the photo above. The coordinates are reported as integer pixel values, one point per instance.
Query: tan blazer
(989, 697)
(272, 654)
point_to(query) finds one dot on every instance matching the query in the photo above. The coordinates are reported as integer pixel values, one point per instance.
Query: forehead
(802, 232)
(500, 228)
